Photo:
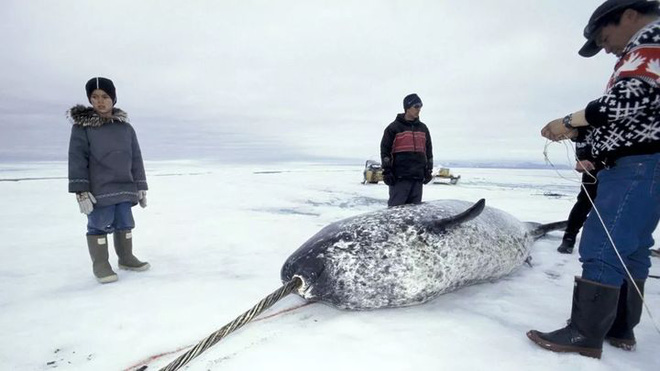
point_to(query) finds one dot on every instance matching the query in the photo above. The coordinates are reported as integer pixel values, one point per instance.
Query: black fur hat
(101, 83)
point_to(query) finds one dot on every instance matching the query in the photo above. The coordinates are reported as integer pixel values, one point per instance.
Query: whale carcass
(410, 254)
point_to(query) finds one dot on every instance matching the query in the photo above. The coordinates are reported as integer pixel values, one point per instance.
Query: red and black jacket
(406, 149)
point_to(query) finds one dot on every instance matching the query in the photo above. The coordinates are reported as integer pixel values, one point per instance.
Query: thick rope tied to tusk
(241, 320)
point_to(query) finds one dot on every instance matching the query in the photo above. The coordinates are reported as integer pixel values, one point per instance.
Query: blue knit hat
(410, 100)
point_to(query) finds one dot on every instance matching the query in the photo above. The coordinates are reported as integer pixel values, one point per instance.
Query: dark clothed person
(406, 154)
(588, 191)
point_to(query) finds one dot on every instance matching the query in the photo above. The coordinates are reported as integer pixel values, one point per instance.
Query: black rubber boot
(567, 244)
(628, 314)
(594, 310)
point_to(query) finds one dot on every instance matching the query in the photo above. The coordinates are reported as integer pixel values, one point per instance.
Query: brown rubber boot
(98, 250)
(594, 310)
(124, 249)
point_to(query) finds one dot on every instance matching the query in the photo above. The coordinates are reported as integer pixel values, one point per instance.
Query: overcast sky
(298, 80)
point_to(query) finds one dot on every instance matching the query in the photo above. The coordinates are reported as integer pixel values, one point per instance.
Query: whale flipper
(469, 214)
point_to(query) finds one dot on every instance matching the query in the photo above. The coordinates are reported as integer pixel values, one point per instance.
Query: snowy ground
(216, 237)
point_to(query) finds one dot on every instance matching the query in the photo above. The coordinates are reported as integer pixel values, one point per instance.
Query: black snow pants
(582, 207)
(405, 191)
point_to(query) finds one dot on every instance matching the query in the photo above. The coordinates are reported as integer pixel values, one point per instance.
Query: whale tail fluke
(538, 230)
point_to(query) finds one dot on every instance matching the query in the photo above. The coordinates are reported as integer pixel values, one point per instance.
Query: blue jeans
(107, 219)
(629, 203)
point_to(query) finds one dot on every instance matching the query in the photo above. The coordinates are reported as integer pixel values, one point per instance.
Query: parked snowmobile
(444, 176)
(373, 172)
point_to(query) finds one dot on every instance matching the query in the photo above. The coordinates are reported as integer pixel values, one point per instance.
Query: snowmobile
(444, 176)
(373, 172)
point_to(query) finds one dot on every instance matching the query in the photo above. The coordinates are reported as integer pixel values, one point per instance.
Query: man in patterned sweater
(407, 154)
(624, 132)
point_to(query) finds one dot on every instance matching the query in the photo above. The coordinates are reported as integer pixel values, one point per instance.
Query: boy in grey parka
(107, 175)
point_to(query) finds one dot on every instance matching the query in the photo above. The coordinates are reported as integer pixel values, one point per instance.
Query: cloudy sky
(298, 80)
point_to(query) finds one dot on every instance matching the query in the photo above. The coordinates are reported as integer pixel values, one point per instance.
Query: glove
(142, 198)
(388, 177)
(582, 166)
(86, 202)
(428, 177)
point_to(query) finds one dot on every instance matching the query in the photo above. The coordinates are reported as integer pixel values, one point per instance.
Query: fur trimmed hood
(87, 117)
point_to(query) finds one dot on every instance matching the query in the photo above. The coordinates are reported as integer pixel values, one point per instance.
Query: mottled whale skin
(410, 254)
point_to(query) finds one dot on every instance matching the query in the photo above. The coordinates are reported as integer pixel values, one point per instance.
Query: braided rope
(241, 320)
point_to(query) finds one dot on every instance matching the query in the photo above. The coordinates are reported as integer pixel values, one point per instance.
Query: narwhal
(410, 254)
(400, 256)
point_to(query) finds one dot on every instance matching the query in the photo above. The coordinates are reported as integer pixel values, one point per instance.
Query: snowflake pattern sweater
(625, 121)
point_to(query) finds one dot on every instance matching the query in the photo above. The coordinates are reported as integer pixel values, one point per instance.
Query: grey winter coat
(105, 157)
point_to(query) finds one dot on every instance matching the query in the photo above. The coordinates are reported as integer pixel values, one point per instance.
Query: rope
(575, 180)
(609, 237)
(141, 366)
(241, 320)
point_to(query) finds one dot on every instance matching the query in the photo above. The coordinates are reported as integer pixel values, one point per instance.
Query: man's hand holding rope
(565, 127)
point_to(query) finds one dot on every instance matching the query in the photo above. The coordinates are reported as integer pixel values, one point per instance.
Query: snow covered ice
(216, 237)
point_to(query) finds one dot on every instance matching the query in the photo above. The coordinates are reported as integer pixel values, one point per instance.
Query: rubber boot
(124, 249)
(98, 250)
(592, 315)
(628, 314)
(567, 244)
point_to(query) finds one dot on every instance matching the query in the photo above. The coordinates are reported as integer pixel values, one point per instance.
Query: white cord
(577, 179)
(639, 292)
